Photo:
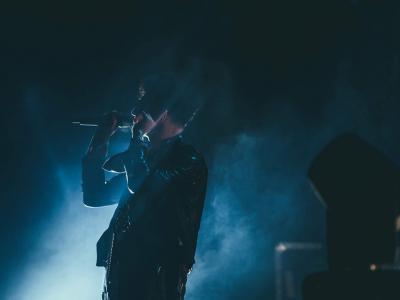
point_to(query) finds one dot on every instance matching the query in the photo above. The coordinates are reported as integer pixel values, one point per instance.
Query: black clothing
(169, 185)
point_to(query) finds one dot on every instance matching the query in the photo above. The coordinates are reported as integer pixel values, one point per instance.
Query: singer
(160, 184)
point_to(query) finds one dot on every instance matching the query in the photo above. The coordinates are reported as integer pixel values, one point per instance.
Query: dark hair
(183, 110)
(166, 92)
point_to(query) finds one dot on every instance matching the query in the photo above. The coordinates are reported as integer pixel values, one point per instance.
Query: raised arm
(96, 191)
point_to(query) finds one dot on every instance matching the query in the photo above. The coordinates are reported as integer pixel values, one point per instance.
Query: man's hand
(111, 121)
(105, 130)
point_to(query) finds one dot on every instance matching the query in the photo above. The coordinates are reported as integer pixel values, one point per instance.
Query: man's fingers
(111, 121)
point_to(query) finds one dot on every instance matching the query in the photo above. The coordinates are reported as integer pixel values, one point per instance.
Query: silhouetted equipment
(293, 262)
(360, 187)
(352, 285)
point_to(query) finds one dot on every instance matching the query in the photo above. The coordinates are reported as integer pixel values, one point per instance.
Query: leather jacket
(166, 188)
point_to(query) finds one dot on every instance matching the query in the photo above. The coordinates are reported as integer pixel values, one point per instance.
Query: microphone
(124, 121)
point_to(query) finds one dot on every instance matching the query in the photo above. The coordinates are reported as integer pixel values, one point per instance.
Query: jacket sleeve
(96, 190)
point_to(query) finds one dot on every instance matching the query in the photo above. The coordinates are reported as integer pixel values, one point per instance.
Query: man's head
(166, 108)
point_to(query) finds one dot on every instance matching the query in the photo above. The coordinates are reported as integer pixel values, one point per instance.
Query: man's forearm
(95, 190)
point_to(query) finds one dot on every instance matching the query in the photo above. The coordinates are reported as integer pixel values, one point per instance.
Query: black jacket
(169, 187)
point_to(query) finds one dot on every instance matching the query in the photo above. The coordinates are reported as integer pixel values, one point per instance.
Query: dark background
(278, 80)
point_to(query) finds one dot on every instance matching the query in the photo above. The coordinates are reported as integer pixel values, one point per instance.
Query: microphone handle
(84, 124)
(126, 121)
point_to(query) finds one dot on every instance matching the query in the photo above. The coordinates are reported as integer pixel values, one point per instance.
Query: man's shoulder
(189, 154)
